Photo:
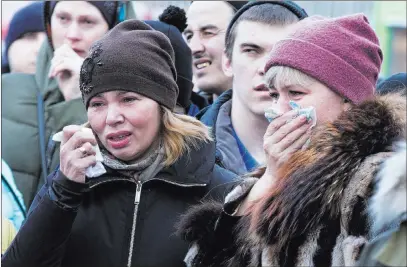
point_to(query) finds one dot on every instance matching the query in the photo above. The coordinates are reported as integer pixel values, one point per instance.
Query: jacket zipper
(136, 205)
(133, 228)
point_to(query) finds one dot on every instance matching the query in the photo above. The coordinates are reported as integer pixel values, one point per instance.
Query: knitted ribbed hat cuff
(347, 81)
(111, 82)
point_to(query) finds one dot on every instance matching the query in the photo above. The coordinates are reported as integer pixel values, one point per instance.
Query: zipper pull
(138, 193)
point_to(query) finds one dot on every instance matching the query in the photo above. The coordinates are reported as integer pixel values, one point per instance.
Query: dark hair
(396, 83)
(267, 13)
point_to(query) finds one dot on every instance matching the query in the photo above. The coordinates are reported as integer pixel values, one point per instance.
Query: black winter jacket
(113, 221)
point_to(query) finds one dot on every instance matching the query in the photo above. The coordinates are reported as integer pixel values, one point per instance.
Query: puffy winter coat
(317, 213)
(115, 221)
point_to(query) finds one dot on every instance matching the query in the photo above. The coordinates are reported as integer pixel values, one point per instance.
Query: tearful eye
(88, 22)
(95, 104)
(208, 33)
(129, 99)
(274, 95)
(249, 50)
(296, 93)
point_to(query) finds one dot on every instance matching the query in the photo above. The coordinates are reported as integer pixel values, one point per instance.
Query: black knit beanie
(172, 23)
(393, 84)
(290, 5)
(131, 57)
(107, 8)
(26, 20)
(236, 5)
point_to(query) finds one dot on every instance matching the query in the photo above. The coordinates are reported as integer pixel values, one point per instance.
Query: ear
(227, 65)
(346, 105)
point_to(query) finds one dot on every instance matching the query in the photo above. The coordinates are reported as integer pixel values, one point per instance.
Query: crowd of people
(231, 134)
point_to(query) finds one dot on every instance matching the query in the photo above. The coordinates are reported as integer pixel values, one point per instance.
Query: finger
(65, 65)
(87, 149)
(292, 137)
(278, 122)
(63, 50)
(68, 132)
(81, 137)
(286, 129)
(299, 143)
(81, 164)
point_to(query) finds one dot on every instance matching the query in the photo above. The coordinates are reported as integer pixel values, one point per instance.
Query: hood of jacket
(217, 116)
(324, 182)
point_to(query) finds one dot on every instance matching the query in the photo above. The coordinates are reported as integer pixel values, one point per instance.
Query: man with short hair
(205, 34)
(238, 122)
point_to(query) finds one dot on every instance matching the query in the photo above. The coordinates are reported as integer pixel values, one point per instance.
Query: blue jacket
(12, 205)
(228, 152)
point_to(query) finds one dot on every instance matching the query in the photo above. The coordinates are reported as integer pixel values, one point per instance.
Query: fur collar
(312, 183)
(388, 203)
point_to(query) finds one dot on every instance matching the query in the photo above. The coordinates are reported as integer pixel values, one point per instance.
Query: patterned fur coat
(316, 215)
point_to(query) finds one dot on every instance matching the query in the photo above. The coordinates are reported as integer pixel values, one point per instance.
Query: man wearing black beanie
(205, 34)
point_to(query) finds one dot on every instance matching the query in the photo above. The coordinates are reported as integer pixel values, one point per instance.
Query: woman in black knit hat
(156, 162)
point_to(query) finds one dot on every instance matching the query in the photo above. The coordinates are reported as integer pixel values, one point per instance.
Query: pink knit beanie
(343, 53)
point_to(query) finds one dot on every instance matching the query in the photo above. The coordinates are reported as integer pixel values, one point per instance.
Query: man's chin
(210, 86)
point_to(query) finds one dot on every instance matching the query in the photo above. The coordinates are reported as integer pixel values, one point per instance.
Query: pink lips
(119, 139)
(261, 87)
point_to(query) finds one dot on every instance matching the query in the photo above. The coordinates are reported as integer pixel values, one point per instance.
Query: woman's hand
(284, 136)
(77, 153)
(65, 67)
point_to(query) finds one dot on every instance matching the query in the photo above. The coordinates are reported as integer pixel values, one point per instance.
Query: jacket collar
(192, 169)
(209, 116)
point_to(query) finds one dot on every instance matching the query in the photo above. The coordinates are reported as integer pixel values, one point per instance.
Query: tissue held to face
(126, 123)
(328, 104)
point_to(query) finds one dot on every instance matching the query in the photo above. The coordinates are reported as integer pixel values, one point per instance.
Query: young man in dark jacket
(238, 122)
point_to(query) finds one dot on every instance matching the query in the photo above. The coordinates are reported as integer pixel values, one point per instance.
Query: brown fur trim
(308, 194)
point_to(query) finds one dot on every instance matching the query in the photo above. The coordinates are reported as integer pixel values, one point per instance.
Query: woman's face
(126, 123)
(328, 104)
(77, 24)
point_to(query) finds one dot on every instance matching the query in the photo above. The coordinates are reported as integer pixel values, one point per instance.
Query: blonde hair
(180, 134)
(282, 76)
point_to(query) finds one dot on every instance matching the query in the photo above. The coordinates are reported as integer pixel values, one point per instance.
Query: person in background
(205, 34)
(35, 106)
(387, 209)
(395, 83)
(308, 207)
(172, 23)
(24, 38)
(12, 204)
(237, 116)
(157, 163)
(8, 232)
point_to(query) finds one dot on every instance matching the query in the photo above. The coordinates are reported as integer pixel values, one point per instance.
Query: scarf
(141, 169)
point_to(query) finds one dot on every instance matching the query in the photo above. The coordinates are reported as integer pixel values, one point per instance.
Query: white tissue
(92, 171)
(309, 112)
